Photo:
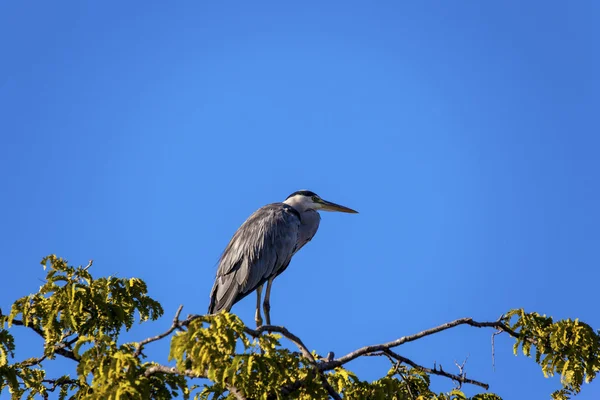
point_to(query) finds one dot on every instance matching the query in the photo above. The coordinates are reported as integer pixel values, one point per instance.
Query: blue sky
(141, 135)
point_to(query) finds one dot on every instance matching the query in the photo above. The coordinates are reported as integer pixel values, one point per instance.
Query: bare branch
(287, 334)
(326, 366)
(174, 325)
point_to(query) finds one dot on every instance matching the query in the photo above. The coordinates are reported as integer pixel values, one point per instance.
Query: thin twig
(440, 371)
(163, 369)
(461, 373)
(31, 361)
(59, 382)
(89, 265)
(174, 326)
(397, 370)
(494, 349)
(381, 354)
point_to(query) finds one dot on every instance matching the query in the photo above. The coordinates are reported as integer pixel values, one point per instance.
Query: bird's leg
(267, 302)
(257, 316)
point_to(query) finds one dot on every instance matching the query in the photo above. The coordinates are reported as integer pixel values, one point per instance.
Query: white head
(303, 200)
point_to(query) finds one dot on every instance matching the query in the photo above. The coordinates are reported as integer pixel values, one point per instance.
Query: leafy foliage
(568, 347)
(217, 357)
(400, 382)
(73, 309)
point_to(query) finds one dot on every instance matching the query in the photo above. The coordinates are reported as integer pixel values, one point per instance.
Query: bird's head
(303, 200)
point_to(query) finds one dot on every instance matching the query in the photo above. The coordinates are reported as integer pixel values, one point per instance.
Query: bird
(262, 248)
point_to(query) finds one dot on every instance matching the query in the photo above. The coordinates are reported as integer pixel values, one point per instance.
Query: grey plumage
(309, 223)
(263, 246)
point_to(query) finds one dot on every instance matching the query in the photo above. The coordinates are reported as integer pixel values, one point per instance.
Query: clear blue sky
(141, 135)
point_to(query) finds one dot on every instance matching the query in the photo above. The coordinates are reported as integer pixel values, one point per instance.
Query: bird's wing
(260, 247)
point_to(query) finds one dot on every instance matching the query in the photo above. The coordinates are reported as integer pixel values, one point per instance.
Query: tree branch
(59, 349)
(59, 382)
(329, 365)
(163, 369)
(285, 333)
(31, 361)
(177, 324)
(36, 329)
(320, 366)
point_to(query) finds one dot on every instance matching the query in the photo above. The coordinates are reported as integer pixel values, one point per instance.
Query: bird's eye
(315, 199)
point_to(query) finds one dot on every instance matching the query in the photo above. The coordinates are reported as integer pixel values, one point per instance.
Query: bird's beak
(329, 206)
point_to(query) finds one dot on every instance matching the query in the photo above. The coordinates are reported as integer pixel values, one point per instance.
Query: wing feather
(262, 246)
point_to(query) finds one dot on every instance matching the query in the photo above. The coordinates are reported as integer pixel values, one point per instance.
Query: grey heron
(262, 248)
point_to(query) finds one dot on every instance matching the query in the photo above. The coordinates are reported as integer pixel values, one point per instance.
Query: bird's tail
(223, 294)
